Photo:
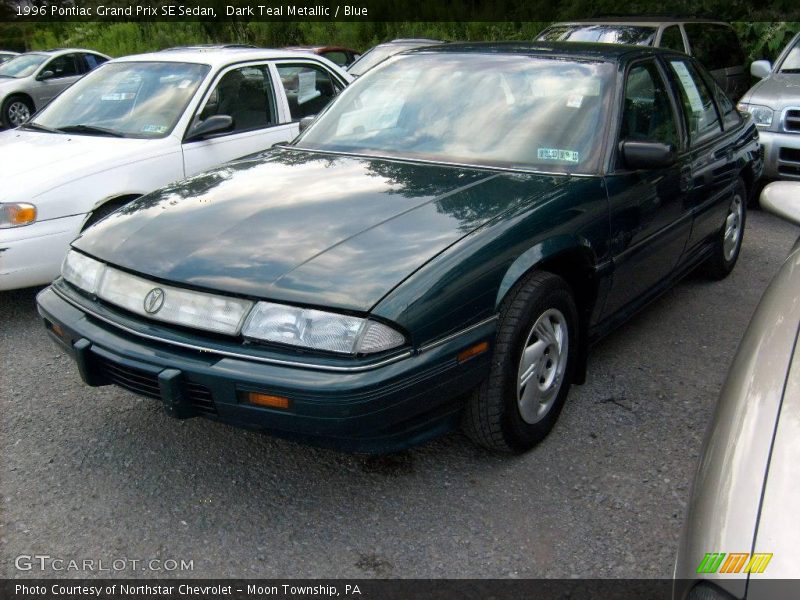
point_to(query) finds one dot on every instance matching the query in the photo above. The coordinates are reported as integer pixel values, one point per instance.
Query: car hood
(776, 91)
(33, 162)
(303, 227)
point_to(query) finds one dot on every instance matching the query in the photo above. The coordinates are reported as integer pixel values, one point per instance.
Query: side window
(730, 116)
(701, 114)
(671, 38)
(715, 46)
(245, 94)
(648, 113)
(93, 61)
(336, 56)
(309, 89)
(63, 66)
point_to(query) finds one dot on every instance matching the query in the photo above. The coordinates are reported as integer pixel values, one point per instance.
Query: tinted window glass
(600, 32)
(671, 38)
(336, 56)
(648, 114)
(246, 96)
(63, 66)
(93, 60)
(698, 106)
(715, 46)
(545, 113)
(308, 88)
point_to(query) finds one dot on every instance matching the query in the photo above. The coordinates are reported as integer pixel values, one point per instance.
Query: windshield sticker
(154, 129)
(117, 96)
(574, 100)
(556, 154)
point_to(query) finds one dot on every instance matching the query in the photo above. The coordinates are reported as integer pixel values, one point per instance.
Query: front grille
(146, 384)
(791, 122)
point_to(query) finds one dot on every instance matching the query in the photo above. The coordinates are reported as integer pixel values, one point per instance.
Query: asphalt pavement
(102, 475)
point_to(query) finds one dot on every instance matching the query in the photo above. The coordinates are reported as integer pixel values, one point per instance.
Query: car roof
(213, 56)
(585, 50)
(653, 21)
(59, 51)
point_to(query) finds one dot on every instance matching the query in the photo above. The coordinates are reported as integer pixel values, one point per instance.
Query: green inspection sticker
(154, 129)
(556, 154)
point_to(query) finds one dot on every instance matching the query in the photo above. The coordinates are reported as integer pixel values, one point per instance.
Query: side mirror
(46, 75)
(760, 69)
(782, 198)
(647, 155)
(305, 122)
(215, 124)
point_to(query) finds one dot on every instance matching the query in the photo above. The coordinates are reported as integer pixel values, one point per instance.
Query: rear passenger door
(308, 88)
(246, 93)
(649, 215)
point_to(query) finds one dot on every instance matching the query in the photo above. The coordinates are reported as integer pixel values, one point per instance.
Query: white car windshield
(791, 64)
(22, 66)
(508, 110)
(125, 99)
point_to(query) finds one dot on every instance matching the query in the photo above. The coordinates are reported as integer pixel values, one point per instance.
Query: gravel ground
(102, 474)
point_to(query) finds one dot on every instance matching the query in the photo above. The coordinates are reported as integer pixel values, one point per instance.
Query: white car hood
(32, 163)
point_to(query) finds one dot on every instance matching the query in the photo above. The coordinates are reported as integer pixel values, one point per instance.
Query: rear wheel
(728, 244)
(532, 366)
(16, 111)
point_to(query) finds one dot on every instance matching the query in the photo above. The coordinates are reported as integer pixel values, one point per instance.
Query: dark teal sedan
(439, 248)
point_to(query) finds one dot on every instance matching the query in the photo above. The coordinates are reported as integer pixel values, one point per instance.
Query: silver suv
(31, 80)
(774, 103)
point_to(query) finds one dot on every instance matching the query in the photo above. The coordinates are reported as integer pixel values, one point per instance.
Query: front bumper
(781, 155)
(382, 409)
(32, 255)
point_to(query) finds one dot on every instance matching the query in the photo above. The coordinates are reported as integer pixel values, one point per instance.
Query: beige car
(741, 535)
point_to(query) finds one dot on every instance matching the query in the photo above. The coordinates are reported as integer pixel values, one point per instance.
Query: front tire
(728, 244)
(532, 366)
(16, 111)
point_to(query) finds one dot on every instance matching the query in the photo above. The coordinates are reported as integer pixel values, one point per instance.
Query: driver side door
(54, 77)
(649, 211)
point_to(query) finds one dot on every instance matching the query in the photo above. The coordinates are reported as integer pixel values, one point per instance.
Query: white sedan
(136, 124)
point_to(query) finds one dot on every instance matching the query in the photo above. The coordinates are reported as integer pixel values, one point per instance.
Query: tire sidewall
(519, 434)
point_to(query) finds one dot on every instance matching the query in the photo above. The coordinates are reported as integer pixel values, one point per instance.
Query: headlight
(16, 214)
(319, 330)
(762, 115)
(82, 272)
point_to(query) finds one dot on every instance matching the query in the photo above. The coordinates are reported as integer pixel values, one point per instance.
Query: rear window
(636, 35)
(715, 46)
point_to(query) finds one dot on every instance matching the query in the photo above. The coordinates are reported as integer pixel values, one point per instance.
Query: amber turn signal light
(267, 400)
(475, 350)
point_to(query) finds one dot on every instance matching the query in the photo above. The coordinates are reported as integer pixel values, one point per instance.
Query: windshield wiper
(36, 127)
(90, 129)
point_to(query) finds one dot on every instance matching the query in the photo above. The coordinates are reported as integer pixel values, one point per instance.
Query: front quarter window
(497, 110)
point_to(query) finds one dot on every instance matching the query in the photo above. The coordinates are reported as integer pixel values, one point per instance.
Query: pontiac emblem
(153, 301)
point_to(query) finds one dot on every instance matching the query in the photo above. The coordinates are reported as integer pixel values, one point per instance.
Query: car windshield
(128, 99)
(22, 66)
(513, 111)
(791, 64)
(635, 35)
(377, 55)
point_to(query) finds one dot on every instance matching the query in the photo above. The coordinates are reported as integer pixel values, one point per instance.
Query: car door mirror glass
(760, 68)
(212, 125)
(647, 155)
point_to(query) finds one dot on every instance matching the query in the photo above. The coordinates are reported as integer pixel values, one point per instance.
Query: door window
(671, 38)
(715, 46)
(648, 114)
(336, 56)
(63, 66)
(93, 61)
(245, 94)
(308, 88)
(698, 106)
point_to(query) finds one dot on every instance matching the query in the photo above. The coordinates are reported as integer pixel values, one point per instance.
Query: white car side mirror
(760, 68)
(782, 198)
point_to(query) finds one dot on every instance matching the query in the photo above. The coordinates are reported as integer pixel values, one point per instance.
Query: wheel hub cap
(18, 113)
(733, 228)
(542, 365)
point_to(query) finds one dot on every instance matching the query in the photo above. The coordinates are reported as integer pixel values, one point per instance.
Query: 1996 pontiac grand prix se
(439, 247)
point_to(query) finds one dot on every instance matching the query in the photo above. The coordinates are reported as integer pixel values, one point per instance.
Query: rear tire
(532, 367)
(16, 111)
(728, 243)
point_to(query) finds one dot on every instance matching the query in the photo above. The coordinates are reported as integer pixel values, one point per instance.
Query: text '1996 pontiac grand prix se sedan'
(439, 247)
